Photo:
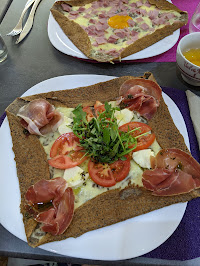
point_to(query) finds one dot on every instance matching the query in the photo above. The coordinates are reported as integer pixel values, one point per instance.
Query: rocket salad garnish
(101, 138)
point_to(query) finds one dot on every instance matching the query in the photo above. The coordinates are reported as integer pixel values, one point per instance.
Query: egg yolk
(119, 21)
(193, 55)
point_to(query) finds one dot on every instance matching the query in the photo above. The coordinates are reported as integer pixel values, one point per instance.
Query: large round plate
(62, 43)
(131, 238)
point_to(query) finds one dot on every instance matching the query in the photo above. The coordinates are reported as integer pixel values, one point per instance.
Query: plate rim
(99, 76)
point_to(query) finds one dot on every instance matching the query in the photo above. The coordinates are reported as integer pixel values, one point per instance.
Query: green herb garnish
(100, 137)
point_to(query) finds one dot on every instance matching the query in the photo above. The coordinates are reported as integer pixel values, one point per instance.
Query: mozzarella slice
(143, 158)
(75, 176)
(64, 127)
(123, 116)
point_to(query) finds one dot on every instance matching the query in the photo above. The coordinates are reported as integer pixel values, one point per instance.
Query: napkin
(194, 105)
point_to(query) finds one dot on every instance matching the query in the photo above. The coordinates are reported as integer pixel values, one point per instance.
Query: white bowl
(189, 72)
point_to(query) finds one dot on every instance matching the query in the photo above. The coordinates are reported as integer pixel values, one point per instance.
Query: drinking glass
(3, 50)
(194, 25)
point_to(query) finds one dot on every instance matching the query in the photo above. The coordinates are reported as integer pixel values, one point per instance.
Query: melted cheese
(86, 189)
(121, 43)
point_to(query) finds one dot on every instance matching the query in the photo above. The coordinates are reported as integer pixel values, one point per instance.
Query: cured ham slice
(175, 172)
(39, 117)
(56, 219)
(141, 95)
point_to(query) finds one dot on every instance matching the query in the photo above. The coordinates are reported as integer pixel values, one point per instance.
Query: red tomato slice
(89, 113)
(65, 152)
(99, 108)
(67, 161)
(143, 142)
(108, 175)
(64, 144)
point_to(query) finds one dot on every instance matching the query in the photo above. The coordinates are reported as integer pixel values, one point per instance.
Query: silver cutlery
(29, 22)
(18, 28)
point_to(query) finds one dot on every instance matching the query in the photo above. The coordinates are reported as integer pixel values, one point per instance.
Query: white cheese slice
(64, 127)
(143, 158)
(75, 176)
(123, 116)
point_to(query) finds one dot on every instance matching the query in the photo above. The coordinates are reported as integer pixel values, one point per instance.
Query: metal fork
(18, 28)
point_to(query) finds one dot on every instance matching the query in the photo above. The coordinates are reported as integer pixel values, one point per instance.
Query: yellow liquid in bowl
(193, 55)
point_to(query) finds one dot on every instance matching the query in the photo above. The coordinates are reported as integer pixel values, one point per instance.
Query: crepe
(103, 33)
(110, 207)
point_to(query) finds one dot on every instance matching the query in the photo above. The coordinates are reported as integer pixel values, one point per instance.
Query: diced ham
(139, 20)
(144, 26)
(134, 34)
(87, 15)
(131, 23)
(175, 172)
(73, 13)
(81, 9)
(138, 3)
(120, 33)
(113, 53)
(158, 21)
(103, 21)
(99, 27)
(129, 41)
(92, 21)
(66, 7)
(143, 12)
(96, 4)
(147, 4)
(133, 10)
(100, 40)
(170, 16)
(102, 15)
(153, 14)
(91, 30)
(133, 5)
(39, 117)
(113, 39)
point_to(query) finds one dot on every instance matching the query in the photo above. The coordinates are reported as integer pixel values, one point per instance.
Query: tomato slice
(64, 144)
(108, 175)
(65, 152)
(67, 161)
(143, 142)
(99, 108)
(89, 113)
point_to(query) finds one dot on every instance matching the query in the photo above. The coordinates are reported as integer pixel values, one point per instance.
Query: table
(35, 60)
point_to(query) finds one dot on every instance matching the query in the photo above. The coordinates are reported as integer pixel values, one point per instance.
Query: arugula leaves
(100, 137)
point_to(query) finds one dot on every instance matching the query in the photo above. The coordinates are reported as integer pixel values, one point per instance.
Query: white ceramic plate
(62, 43)
(131, 238)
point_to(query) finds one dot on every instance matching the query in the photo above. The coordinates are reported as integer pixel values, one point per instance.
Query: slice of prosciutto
(175, 172)
(39, 117)
(141, 95)
(56, 219)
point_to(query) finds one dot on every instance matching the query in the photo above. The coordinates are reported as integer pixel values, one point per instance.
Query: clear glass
(194, 25)
(3, 50)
